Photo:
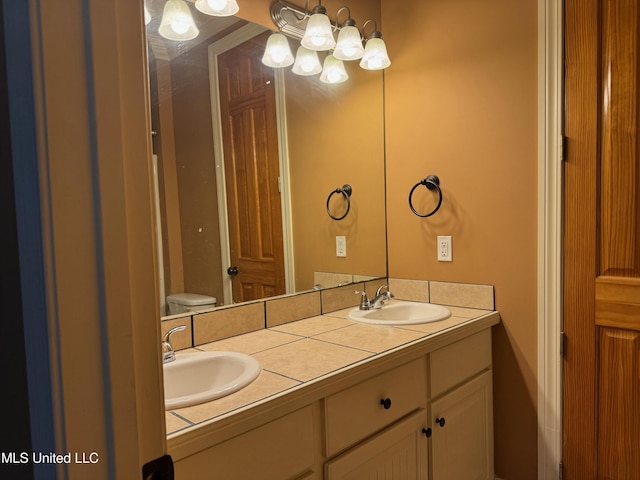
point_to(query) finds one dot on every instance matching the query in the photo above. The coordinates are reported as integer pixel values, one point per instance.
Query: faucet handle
(364, 300)
(168, 355)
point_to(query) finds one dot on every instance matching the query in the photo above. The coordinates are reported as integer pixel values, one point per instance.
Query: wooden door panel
(619, 172)
(251, 158)
(619, 399)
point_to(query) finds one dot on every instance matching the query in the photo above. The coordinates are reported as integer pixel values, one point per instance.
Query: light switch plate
(341, 246)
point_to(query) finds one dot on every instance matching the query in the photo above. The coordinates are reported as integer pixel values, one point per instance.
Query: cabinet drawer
(278, 450)
(355, 413)
(455, 363)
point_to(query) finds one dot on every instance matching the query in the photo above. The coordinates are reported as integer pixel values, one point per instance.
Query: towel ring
(346, 191)
(432, 182)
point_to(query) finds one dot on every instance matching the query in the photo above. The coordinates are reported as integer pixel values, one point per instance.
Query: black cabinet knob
(232, 271)
(386, 403)
(440, 421)
(427, 432)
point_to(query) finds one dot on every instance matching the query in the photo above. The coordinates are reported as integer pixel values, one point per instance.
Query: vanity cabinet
(428, 418)
(452, 426)
(461, 410)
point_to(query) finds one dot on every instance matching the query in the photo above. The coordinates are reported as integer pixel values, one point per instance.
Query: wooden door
(602, 241)
(249, 126)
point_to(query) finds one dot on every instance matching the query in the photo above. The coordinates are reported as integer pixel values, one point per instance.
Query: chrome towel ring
(346, 191)
(432, 182)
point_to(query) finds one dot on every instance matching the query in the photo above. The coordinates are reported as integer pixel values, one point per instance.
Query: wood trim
(618, 302)
(580, 234)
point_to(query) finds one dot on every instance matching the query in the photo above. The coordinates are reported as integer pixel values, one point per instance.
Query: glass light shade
(349, 45)
(277, 54)
(307, 62)
(147, 15)
(177, 22)
(375, 55)
(218, 8)
(318, 35)
(333, 71)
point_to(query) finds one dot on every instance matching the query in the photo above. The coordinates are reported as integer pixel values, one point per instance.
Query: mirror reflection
(247, 158)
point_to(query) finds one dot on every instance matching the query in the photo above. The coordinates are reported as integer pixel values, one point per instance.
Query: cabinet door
(462, 440)
(397, 453)
(280, 449)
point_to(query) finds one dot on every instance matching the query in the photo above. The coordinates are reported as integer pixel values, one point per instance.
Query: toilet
(189, 302)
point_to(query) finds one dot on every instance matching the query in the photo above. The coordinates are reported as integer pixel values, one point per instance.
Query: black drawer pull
(427, 432)
(440, 421)
(386, 403)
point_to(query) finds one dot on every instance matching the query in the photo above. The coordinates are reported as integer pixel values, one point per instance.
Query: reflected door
(251, 162)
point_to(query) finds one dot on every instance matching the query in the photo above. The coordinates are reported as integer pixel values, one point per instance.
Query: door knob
(232, 271)
(386, 403)
(440, 421)
(427, 432)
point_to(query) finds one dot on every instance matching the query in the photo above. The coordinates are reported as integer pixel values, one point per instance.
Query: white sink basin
(401, 313)
(194, 378)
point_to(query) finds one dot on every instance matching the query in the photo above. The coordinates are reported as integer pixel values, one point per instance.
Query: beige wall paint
(196, 173)
(461, 102)
(336, 137)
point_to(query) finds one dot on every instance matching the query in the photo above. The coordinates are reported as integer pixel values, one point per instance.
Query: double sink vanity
(404, 390)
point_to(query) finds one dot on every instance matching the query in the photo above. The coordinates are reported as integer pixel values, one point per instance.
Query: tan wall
(196, 175)
(336, 137)
(461, 102)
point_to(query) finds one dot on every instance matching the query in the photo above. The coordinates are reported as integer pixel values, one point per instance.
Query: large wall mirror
(246, 158)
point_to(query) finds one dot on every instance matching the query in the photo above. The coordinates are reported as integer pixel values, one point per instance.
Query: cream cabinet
(397, 453)
(451, 426)
(279, 450)
(428, 418)
(461, 410)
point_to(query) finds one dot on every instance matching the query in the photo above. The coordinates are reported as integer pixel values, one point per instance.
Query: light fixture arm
(349, 22)
(375, 33)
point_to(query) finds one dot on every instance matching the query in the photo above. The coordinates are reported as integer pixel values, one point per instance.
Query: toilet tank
(189, 302)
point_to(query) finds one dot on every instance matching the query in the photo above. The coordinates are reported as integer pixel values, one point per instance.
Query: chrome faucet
(381, 297)
(168, 355)
(377, 301)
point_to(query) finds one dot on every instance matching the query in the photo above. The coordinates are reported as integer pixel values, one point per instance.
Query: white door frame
(226, 43)
(550, 103)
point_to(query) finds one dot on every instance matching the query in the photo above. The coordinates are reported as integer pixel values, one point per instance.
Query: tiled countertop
(301, 352)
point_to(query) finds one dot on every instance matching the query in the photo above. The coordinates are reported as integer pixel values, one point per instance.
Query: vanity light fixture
(318, 35)
(349, 44)
(277, 54)
(307, 62)
(177, 22)
(300, 24)
(218, 8)
(375, 51)
(333, 71)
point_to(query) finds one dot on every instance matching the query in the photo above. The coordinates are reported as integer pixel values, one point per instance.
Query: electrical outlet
(341, 246)
(445, 251)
